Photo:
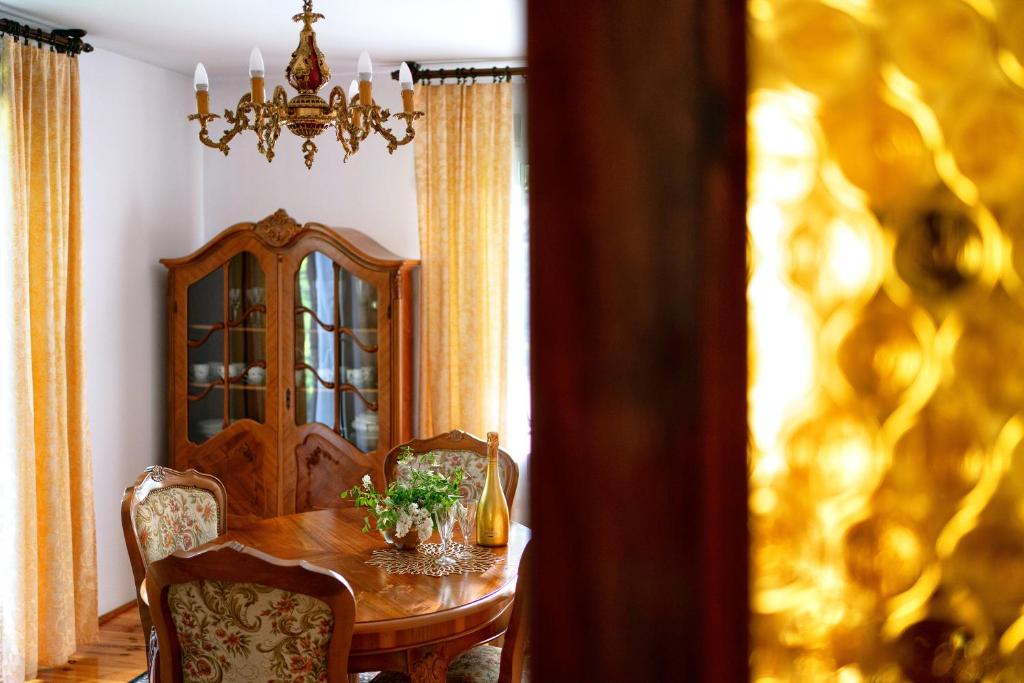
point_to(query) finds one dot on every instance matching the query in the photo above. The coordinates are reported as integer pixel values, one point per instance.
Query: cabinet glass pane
(314, 340)
(360, 423)
(314, 401)
(205, 356)
(247, 340)
(336, 350)
(227, 347)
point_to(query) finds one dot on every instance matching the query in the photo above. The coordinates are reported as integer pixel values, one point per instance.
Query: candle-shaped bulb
(405, 77)
(353, 90)
(255, 63)
(405, 80)
(256, 76)
(365, 67)
(201, 80)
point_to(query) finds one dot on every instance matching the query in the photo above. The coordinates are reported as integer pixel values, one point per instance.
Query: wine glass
(444, 516)
(235, 299)
(466, 517)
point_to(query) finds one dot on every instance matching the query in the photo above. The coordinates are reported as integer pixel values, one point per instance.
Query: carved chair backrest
(514, 653)
(458, 449)
(233, 613)
(167, 510)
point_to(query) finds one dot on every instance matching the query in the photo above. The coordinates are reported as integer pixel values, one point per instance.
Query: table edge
(507, 590)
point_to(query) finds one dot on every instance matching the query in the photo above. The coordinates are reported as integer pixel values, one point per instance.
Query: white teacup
(210, 427)
(200, 372)
(367, 422)
(256, 375)
(361, 377)
(234, 369)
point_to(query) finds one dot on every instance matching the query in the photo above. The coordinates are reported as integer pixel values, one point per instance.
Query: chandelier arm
(341, 128)
(280, 98)
(385, 132)
(367, 112)
(353, 144)
(337, 100)
(238, 119)
(339, 108)
(258, 124)
(274, 112)
(204, 120)
(271, 132)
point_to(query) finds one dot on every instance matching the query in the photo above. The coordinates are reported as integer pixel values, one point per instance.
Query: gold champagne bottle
(492, 510)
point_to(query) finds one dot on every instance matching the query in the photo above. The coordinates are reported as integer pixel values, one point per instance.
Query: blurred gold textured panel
(886, 304)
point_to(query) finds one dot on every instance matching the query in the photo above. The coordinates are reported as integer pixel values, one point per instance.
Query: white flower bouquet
(404, 512)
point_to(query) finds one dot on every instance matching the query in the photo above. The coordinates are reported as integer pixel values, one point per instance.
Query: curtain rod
(66, 41)
(461, 75)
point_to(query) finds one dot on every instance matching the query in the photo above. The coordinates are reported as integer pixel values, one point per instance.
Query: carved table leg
(428, 665)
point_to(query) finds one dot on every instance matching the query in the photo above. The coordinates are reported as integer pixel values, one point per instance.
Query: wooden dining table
(404, 622)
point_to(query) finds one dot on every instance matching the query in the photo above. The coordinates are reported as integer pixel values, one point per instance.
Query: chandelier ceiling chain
(354, 115)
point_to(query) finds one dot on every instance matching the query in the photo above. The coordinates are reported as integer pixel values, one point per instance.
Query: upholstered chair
(164, 511)
(232, 614)
(458, 449)
(508, 663)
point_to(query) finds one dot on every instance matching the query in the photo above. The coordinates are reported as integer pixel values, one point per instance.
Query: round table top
(333, 539)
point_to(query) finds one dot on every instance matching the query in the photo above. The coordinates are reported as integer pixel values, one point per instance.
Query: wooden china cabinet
(290, 362)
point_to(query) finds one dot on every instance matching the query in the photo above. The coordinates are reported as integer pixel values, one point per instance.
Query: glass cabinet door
(336, 351)
(227, 347)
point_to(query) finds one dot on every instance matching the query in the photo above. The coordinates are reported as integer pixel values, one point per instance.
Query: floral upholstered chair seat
(474, 468)
(235, 632)
(175, 518)
(482, 664)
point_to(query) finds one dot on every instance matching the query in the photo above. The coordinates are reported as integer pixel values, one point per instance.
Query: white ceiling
(176, 34)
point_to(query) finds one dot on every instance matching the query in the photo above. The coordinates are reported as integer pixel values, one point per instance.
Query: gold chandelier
(354, 115)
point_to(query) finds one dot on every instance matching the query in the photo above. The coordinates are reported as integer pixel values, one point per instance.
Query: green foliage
(423, 484)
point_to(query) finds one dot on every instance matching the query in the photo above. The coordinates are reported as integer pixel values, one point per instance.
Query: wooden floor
(120, 655)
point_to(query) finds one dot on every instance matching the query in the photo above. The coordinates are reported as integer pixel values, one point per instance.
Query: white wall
(374, 191)
(142, 200)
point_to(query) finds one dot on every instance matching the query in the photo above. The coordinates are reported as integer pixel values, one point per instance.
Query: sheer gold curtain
(47, 528)
(463, 166)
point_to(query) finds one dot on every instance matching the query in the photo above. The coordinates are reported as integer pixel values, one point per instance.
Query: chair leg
(154, 657)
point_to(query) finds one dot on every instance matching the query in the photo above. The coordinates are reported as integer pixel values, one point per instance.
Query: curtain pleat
(463, 166)
(47, 535)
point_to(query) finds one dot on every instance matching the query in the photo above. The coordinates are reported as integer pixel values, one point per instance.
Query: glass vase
(407, 542)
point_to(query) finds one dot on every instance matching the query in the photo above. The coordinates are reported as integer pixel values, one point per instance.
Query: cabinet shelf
(220, 326)
(234, 387)
(325, 390)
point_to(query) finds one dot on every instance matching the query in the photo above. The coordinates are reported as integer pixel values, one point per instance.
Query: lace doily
(423, 560)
